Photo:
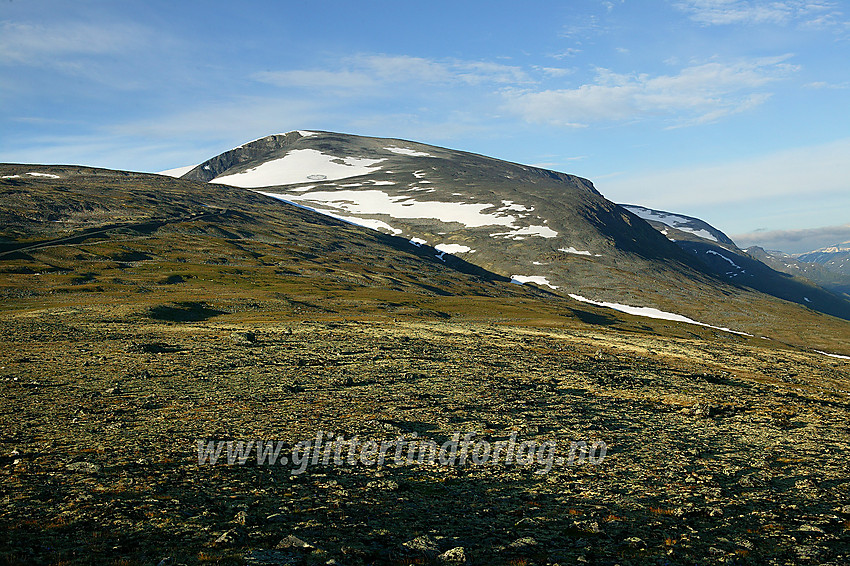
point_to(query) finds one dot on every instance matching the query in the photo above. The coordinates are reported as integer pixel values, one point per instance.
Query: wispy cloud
(807, 13)
(55, 45)
(697, 94)
(117, 56)
(368, 73)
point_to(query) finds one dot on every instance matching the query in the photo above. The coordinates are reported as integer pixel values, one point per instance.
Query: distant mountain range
(526, 223)
(828, 267)
(754, 267)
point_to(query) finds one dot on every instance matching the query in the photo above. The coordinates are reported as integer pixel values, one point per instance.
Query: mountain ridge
(523, 222)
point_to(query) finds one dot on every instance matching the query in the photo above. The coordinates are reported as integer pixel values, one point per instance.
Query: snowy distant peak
(177, 172)
(838, 248)
(688, 224)
(835, 258)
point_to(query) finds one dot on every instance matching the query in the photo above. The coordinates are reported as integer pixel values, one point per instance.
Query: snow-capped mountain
(758, 270)
(530, 224)
(835, 258)
(828, 267)
(678, 226)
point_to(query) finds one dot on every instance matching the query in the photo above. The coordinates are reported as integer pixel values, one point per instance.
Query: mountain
(806, 284)
(148, 243)
(678, 227)
(830, 272)
(530, 224)
(835, 258)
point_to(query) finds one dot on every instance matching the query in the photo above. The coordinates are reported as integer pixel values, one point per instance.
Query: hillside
(141, 315)
(826, 273)
(808, 285)
(835, 258)
(522, 222)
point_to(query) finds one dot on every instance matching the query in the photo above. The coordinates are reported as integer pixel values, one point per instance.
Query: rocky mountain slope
(529, 224)
(828, 273)
(807, 284)
(835, 258)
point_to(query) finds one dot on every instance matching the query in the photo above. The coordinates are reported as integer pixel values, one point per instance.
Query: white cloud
(370, 74)
(802, 173)
(554, 71)
(807, 13)
(339, 81)
(53, 45)
(696, 94)
(568, 52)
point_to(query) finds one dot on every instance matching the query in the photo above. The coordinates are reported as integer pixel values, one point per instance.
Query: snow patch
(417, 242)
(177, 171)
(10, 177)
(522, 279)
(299, 166)
(833, 355)
(651, 312)
(672, 220)
(45, 175)
(365, 222)
(373, 201)
(721, 256)
(542, 231)
(407, 151)
(306, 133)
(572, 250)
(454, 249)
(510, 205)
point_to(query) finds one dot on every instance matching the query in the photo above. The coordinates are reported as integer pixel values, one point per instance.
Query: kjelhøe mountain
(530, 224)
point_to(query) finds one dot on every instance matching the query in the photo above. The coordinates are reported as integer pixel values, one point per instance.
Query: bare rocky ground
(719, 452)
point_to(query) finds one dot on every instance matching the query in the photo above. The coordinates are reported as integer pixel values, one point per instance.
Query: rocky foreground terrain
(130, 332)
(718, 452)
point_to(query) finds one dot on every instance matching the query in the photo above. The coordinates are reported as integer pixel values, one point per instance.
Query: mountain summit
(530, 224)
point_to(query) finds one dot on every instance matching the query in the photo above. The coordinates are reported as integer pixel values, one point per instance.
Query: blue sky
(735, 111)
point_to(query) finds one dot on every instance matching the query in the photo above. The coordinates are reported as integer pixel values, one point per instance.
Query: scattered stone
(241, 518)
(293, 542)
(423, 544)
(456, 555)
(228, 538)
(634, 542)
(243, 337)
(811, 529)
(150, 348)
(276, 518)
(83, 467)
(114, 390)
(383, 485)
(523, 544)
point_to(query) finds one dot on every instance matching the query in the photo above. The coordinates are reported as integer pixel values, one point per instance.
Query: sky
(734, 111)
